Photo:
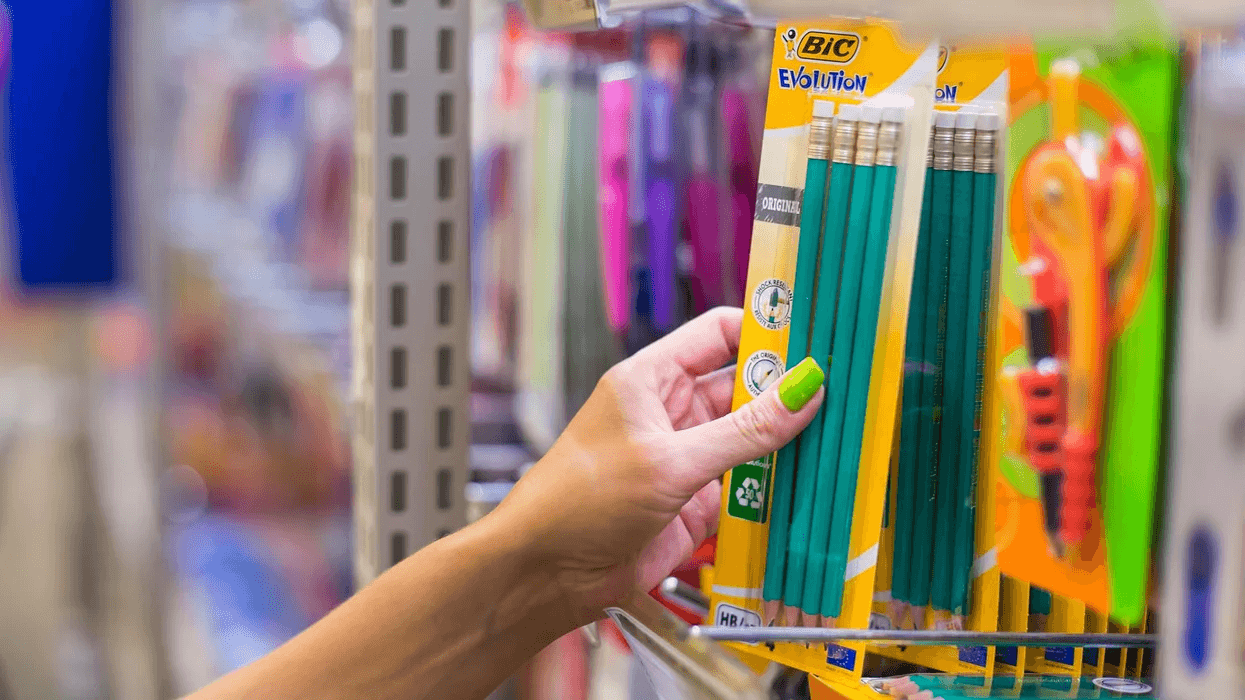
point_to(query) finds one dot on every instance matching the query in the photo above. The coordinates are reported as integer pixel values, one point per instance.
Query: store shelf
(409, 276)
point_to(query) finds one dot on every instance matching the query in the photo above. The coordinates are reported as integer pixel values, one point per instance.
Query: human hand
(630, 488)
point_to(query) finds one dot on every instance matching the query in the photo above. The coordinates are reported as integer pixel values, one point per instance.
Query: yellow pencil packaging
(938, 570)
(838, 211)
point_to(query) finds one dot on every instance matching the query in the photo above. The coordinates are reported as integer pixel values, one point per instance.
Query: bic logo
(831, 47)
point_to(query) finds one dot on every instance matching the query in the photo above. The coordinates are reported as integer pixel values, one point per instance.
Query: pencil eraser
(823, 108)
(849, 112)
(944, 120)
(893, 114)
(870, 113)
(989, 121)
(965, 118)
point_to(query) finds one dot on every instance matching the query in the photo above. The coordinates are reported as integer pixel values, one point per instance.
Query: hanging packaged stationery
(959, 687)
(325, 242)
(837, 215)
(59, 148)
(1013, 617)
(662, 202)
(615, 92)
(278, 144)
(1055, 613)
(590, 345)
(499, 223)
(941, 569)
(539, 404)
(741, 172)
(702, 155)
(1204, 552)
(1082, 321)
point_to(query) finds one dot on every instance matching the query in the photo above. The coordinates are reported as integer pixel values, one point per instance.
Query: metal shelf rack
(409, 273)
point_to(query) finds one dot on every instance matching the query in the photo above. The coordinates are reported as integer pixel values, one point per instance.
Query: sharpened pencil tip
(770, 610)
(897, 609)
(919, 616)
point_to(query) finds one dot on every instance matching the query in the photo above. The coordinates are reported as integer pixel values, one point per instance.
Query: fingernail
(800, 384)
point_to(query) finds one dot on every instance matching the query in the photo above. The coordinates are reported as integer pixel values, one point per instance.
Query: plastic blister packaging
(838, 208)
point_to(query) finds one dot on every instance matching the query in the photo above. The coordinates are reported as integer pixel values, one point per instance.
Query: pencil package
(834, 240)
(963, 687)
(1082, 319)
(1013, 617)
(942, 572)
(1093, 661)
(1115, 660)
(1054, 613)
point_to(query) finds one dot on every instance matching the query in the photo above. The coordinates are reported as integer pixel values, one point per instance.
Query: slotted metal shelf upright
(409, 272)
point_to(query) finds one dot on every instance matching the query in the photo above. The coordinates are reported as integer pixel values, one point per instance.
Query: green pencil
(955, 360)
(873, 266)
(910, 427)
(820, 138)
(980, 261)
(819, 346)
(1039, 602)
(826, 508)
(933, 351)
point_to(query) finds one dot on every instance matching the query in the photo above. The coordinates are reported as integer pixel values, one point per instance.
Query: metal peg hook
(816, 635)
(684, 596)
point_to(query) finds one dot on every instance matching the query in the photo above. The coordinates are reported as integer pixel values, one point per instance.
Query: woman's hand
(630, 489)
(628, 492)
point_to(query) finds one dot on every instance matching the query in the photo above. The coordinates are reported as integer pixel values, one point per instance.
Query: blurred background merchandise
(181, 437)
(223, 499)
(257, 530)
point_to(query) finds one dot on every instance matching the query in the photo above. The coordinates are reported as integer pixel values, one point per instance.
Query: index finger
(700, 346)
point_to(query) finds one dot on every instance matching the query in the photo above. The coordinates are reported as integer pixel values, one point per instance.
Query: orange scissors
(1080, 205)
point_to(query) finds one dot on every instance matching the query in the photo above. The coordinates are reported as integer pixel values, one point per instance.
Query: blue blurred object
(250, 606)
(59, 144)
(278, 149)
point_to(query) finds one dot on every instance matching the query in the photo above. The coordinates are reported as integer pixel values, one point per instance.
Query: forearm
(451, 621)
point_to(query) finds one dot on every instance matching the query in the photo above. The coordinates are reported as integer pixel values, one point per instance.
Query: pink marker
(614, 132)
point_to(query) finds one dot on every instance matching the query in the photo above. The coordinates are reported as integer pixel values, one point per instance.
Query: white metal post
(409, 276)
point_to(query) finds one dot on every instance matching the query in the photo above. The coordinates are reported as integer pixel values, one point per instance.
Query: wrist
(533, 595)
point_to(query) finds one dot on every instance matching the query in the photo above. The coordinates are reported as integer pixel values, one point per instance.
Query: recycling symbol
(749, 493)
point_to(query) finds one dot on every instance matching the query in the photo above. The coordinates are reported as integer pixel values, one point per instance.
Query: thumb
(758, 428)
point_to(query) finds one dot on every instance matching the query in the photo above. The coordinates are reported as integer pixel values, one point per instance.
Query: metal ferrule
(943, 151)
(820, 137)
(844, 140)
(866, 143)
(888, 143)
(929, 151)
(963, 149)
(985, 151)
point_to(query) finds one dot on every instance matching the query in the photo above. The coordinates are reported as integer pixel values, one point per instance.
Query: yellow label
(837, 61)
(970, 75)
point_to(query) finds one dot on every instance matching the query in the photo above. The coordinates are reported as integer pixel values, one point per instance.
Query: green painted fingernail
(800, 384)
